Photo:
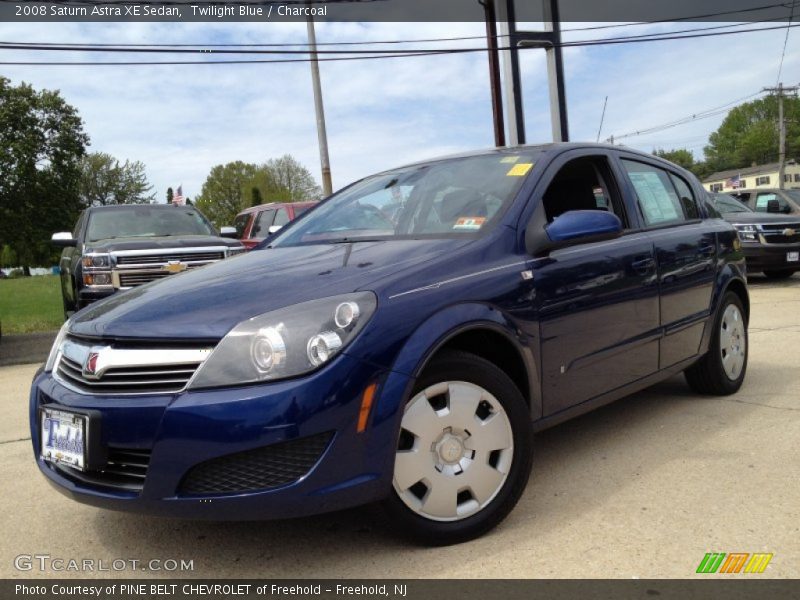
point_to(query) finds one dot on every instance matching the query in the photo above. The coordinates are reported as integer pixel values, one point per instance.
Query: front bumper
(87, 295)
(770, 256)
(184, 430)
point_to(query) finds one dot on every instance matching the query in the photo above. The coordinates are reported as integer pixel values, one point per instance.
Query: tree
(680, 156)
(255, 197)
(170, 195)
(223, 193)
(105, 181)
(41, 144)
(749, 134)
(288, 174)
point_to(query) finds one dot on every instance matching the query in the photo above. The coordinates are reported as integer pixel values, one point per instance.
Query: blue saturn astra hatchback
(402, 341)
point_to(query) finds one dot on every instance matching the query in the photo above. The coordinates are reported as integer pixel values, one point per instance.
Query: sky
(180, 121)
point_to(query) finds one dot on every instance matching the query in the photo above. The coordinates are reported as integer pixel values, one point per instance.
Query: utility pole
(780, 91)
(494, 73)
(550, 40)
(327, 184)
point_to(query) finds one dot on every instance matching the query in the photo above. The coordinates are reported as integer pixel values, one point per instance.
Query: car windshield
(145, 221)
(728, 204)
(458, 197)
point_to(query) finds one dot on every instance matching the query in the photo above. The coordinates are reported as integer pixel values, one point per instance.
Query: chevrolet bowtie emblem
(174, 266)
(788, 232)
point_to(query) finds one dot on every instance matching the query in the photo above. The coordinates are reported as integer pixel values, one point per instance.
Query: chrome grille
(148, 259)
(774, 233)
(134, 279)
(125, 371)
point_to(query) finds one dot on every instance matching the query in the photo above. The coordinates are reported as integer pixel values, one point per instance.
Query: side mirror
(577, 227)
(63, 239)
(773, 206)
(274, 229)
(228, 232)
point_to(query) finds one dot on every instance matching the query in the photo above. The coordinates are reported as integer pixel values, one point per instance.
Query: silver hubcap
(732, 342)
(455, 451)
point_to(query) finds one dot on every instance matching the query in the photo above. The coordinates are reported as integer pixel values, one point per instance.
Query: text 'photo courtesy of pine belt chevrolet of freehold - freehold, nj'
(399, 298)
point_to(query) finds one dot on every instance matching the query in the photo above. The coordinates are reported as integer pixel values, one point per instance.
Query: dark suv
(771, 242)
(370, 351)
(119, 247)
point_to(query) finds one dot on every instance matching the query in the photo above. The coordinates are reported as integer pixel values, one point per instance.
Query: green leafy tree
(680, 156)
(255, 197)
(749, 134)
(292, 177)
(105, 181)
(8, 258)
(223, 194)
(170, 195)
(41, 145)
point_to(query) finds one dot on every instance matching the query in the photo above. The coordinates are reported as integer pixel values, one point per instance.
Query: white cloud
(182, 120)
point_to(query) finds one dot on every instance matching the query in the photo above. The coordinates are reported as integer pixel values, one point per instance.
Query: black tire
(708, 376)
(778, 274)
(464, 367)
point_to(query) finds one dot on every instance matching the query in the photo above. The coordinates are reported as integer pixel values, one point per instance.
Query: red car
(255, 223)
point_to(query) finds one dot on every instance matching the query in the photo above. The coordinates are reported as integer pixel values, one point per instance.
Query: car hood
(157, 243)
(208, 302)
(756, 218)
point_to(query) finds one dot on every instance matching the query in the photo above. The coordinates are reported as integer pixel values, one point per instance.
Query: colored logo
(90, 368)
(788, 232)
(735, 562)
(174, 266)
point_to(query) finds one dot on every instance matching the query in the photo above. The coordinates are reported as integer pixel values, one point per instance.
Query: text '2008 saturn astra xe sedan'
(400, 342)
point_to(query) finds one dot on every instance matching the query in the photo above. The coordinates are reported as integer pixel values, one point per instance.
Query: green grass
(30, 304)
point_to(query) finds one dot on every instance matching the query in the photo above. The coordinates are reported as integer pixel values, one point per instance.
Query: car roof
(555, 147)
(139, 206)
(261, 207)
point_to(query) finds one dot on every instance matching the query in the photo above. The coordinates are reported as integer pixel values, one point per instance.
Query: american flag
(177, 198)
(733, 182)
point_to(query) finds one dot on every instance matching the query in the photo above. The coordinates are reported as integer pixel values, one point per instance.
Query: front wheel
(464, 452)
(721, 371)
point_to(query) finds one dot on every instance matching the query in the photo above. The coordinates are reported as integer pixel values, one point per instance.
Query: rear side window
(658, 200)
(262, 224)
(281, 218)
(762, 202)
(686, 196)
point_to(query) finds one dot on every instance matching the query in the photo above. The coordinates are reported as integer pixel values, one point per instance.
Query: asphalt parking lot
(641, 488)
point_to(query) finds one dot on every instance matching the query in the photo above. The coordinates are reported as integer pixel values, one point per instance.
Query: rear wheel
(721, 371)
(464, 452)
(778, 274)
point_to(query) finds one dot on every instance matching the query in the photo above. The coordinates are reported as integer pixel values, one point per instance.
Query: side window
(281, 217)
(77, 231)
(658, 200)
(240, 223)
(687, 197)
(584, 183)
(262, 224)
(762, 180)
(716, 187)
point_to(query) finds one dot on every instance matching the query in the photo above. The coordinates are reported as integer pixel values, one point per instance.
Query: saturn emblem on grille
(174, 266)
(90, 368)
(788, 232)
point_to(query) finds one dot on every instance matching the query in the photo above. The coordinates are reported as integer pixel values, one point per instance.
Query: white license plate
(792, 256)
(64, 438)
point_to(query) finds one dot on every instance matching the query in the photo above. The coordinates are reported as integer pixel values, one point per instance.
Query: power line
(785, 41)
(444, 39)
(711, 112)
(358, 54)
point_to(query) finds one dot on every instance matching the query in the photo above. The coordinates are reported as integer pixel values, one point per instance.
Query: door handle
(643, 265)
(708, 249)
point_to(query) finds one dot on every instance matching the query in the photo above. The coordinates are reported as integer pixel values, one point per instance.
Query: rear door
(598, 301)
(686, 253)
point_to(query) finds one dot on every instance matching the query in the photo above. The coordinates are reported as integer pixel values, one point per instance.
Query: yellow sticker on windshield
(520, 169)
(509, 159)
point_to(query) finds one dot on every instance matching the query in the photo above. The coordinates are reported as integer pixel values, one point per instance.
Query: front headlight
(748, 233)
(51, 358)
(287, 342)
